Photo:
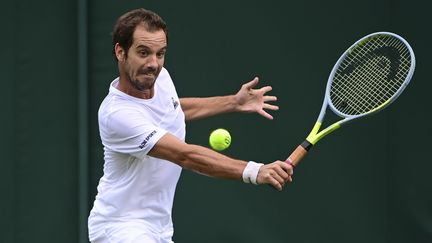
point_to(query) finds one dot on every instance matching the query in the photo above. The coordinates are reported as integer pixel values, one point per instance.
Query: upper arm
(128, 131)
(187, 107)
(169, 147)
(198, 108)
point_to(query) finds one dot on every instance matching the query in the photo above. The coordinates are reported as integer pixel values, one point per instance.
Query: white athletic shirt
(136, 187)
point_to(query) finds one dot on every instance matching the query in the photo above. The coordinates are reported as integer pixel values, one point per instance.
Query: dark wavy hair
(126, 24)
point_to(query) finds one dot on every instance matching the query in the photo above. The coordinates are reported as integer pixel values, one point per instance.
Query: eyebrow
(148, 48)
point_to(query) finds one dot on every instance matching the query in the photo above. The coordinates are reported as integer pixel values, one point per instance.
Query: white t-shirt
(136, 187)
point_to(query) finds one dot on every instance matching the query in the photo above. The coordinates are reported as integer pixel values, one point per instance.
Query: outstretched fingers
(268, 98)
(265, 114)
(266, 89)
(270, 107)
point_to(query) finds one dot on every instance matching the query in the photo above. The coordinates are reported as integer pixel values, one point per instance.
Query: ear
(119, 52)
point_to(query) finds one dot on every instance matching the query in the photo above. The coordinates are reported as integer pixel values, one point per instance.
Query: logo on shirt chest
(174, 102)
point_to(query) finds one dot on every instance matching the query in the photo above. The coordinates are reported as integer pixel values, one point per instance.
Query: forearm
(198, 108)
(197, 158)
(210, 163)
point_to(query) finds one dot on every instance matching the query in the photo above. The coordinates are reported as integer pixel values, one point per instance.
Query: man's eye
(161, 54)
(143, 53)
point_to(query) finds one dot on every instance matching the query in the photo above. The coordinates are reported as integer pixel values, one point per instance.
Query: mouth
(147, 74)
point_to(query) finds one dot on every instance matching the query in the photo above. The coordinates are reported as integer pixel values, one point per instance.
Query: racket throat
(315, 136)
(306, 145)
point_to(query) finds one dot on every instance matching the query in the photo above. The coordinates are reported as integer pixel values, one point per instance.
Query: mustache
(148, 71)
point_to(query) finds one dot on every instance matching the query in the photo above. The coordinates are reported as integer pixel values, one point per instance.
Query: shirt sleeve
(128, 131)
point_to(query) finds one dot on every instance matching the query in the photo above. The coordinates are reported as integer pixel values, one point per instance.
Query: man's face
(145, 58)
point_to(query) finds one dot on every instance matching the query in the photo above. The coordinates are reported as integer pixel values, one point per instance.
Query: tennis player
(142, 128)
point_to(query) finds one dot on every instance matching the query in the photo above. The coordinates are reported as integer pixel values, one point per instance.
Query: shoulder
(123, 122)
(165, 82)
(164, 76)
(117, 111)
(115, 103)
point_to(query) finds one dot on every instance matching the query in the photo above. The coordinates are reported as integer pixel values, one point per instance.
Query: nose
(152, 61)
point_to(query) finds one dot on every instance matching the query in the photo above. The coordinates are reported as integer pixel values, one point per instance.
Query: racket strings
(370, 75)
(357, 92)
(365, 102)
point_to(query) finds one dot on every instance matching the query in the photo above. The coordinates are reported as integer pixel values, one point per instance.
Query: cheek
(161, 61)
(130, 67)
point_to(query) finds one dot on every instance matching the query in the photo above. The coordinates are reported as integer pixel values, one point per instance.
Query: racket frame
(315, 135)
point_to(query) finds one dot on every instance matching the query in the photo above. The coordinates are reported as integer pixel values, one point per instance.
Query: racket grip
(298, 154)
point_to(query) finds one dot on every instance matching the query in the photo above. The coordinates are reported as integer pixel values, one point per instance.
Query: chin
(144, 85)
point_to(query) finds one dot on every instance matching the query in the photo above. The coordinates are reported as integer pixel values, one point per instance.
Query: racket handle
(299, 153)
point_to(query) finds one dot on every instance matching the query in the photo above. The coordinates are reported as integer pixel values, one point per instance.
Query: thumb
(252, 83)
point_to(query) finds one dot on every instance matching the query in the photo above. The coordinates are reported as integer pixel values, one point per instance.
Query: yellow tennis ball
(220, 139)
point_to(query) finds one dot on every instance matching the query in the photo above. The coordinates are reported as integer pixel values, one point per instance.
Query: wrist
(250, 172)
(233, 103)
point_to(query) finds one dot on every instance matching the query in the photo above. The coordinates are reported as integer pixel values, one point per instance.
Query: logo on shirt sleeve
(146, 139)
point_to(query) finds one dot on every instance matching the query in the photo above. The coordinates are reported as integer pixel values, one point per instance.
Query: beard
(142, 86)
(145, 79)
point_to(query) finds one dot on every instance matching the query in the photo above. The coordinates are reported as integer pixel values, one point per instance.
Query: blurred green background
(368, 183)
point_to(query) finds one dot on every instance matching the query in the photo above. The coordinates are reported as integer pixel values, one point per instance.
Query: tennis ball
(220, 139)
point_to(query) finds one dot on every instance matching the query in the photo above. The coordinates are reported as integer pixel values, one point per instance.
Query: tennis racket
(368, 77)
